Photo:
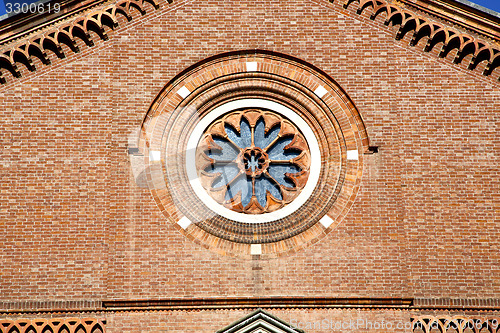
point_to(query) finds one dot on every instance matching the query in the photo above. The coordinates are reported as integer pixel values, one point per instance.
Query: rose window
(253, 153)
(253, 161)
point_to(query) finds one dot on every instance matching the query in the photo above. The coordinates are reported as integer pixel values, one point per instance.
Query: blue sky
(2, 8)
(491, 4)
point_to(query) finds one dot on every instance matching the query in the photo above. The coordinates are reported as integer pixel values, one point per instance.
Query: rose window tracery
(253, 153)
(253, 161)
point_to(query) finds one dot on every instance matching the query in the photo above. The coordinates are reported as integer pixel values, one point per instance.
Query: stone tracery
(253, 161)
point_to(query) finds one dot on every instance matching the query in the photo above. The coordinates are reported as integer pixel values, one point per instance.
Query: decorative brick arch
(12, 55)
(53, 325)
(21, 53)
(436, 33)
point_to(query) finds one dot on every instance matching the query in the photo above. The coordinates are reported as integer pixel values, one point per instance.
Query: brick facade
(78, 230)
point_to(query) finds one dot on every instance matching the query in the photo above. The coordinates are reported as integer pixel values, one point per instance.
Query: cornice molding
(417, 306)
(202, 303)
(460, 14)
(25, 24)
(436, 33)
(21, 47)
(456, 303)
(260, 302)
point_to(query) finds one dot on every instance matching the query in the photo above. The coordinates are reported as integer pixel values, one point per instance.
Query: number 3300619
(40, 8)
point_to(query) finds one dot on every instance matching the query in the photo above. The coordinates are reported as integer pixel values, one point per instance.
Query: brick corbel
(436, 34)
(66, 33)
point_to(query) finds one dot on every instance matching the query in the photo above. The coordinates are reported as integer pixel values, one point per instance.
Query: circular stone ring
(253, 153)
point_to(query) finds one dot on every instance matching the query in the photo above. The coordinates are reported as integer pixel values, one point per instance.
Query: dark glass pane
(243, 185)
(242, 139)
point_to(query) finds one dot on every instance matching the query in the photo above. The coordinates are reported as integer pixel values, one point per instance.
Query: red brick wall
(75, 226)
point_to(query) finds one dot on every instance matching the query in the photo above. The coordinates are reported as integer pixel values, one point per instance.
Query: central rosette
(253, 161)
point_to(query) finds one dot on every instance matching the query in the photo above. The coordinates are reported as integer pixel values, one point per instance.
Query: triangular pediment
(451, 29)
(260, 322)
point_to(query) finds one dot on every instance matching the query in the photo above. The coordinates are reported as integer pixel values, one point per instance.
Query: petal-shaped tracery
(224, 151)
(264, 138)
(227, 173)
(278, 150)
(253, 161)
(279, 172)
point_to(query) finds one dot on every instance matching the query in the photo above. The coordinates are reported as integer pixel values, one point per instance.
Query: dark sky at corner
(490, 4)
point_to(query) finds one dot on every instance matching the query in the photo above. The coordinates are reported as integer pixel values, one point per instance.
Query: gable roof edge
(22, 46)
(462, 13)
(481, 53)
(437, 33)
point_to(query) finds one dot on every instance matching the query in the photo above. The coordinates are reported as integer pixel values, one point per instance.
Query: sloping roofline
(457, 25)
(18, 25)
(467, 14)
(463, 12)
